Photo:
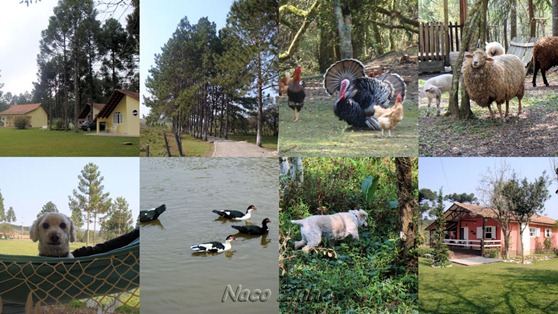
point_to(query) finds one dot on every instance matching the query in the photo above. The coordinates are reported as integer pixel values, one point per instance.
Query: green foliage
(555, 251)
(21, 122)
(58, 123)
(440, 252)
(362, 275)
(368, 187)
(49, 207)
(547, 244)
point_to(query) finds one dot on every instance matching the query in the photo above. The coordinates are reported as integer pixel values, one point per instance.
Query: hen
(295, 93)
(389, 118)
(358, 94)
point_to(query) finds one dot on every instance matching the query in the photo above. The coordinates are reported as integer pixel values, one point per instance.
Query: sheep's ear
(428, 89)
(489, 59)
(468, 55)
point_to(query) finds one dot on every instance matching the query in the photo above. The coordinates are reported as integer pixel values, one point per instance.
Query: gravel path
(228, 148)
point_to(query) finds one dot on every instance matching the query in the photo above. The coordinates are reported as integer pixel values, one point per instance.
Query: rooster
(284, 84)
(295, 93)
(389, 118)
(359, 94)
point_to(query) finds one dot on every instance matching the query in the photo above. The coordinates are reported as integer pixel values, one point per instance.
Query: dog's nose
(54, 238)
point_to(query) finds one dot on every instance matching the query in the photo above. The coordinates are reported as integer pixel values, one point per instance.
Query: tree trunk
(554, 17)
(344, 25)
(260, 101)
(408, 206)
(453, 108)
(513, 19)
(532, 22)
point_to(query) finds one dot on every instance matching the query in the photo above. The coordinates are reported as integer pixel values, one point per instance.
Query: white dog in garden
(334, 227)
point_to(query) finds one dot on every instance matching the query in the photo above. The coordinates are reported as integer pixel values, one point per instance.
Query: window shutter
(537, 232)
(479, 233)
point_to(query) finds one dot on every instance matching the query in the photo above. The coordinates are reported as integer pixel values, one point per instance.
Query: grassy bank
(38, 143)
(490, 288)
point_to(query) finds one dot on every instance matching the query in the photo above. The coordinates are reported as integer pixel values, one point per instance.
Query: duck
(235, 214)
(151, 214)
(213, 247)
(254, 230)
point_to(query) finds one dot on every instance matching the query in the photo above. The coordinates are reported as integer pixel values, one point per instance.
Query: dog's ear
(34, 231)
(72, 231)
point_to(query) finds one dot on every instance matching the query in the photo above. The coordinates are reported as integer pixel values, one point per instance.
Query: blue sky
(20, 33)
(27, 184)
(462, 175)
(159, 21)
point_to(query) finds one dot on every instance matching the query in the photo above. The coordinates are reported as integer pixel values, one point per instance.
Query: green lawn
(491, 288)
(268, 142)
(37, 142)
(319, 132)
(26, 247)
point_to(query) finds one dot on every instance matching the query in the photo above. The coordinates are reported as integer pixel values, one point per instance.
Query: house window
(117, 117)
(489, 232)
(548, 233)
(534, 232)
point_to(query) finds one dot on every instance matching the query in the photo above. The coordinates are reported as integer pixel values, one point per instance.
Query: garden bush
(21, 122)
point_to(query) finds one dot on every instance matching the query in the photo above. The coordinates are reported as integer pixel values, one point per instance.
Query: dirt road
(227, 148)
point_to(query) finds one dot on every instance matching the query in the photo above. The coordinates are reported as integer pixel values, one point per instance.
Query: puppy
(333, 227)
(54, 231)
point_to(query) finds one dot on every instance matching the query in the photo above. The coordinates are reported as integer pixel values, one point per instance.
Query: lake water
(176, 280)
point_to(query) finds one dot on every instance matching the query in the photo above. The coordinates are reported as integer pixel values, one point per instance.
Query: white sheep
(434, 87)
(496, 79)
(494, 49)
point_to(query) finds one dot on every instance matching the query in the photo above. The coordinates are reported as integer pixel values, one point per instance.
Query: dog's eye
(63, 225)
(45, 225)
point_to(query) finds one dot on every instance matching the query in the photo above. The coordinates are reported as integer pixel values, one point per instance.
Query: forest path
(228, 148)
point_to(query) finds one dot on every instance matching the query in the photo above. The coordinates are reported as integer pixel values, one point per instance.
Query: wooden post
(167, 144)
(147, 150)
(482, 236)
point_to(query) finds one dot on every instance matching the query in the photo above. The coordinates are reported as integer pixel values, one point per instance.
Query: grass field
(37, 142)
(491, 288)
(319, 133)
(268, 142)
(26, 247)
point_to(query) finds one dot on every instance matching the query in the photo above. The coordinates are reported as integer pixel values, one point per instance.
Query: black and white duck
(235, 214)
(254, 230)
(213, 247)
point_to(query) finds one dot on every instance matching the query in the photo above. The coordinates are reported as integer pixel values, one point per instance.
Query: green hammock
(61, 280)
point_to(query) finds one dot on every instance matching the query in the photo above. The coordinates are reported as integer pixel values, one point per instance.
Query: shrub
(21, 122)
(547, 245)
(556, 251)
(59, 123)
(493, 253)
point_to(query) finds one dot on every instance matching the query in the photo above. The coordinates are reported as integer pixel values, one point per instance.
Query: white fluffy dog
(54, 231)
(333, 227)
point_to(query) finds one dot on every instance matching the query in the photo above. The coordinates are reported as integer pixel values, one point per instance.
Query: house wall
(130, 123)
(473, 224)
(531, 246)
(38, 118)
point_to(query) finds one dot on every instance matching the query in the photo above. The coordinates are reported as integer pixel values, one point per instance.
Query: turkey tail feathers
(396, 83)
(345, 69)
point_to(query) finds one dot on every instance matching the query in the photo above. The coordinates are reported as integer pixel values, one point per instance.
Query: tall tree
(525, 200)
(491, 193)
(49, 207)
(2, 214)
(554, 17)
(89, 199)
(440, 252)
(255, 22)
(118, 220)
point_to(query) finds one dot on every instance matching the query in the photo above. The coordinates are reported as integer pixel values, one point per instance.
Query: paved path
(228, 148)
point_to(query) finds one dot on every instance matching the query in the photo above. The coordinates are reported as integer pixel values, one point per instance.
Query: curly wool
(545, 56)
(499, 80)
(494, 49)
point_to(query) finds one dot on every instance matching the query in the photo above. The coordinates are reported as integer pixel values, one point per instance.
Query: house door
(464, 233)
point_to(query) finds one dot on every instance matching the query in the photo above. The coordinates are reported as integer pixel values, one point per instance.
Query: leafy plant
(368, 187)
(21, 122)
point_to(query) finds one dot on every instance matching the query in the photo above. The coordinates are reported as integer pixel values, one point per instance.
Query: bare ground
(228, 148)
(533, 133)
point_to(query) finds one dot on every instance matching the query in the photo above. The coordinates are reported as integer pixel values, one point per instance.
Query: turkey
(295, 93)
(358, 94)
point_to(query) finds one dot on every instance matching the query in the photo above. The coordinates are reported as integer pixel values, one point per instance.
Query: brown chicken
(389, 118)
(296, 93)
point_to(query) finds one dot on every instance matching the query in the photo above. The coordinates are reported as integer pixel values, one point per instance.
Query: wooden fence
(433, 47)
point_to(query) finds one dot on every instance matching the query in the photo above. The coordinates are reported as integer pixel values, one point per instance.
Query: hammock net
(107, 281)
